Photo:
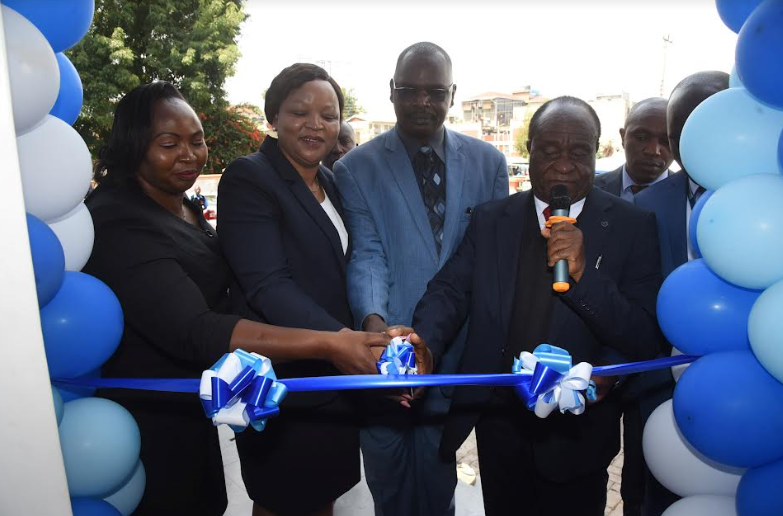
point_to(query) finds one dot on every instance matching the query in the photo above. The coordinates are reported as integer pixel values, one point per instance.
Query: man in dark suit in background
(647, 154)
(346, 142)
(672, 201)
(501, 277)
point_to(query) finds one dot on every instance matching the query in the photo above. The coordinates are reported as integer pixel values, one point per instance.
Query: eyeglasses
(408, 94)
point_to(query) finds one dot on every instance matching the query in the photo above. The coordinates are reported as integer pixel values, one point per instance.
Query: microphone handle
(560, 272)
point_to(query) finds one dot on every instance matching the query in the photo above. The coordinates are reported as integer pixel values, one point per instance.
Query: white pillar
(32, 477)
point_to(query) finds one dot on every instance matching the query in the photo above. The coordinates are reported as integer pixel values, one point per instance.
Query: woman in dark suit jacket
(283, 236)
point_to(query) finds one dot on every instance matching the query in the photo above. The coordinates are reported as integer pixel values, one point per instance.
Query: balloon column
(81, 318)
(719, 443)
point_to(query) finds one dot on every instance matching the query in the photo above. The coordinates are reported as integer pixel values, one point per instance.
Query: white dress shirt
(337, 221)
(626, 194)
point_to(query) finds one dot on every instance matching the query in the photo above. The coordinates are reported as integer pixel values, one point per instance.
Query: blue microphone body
(560, 205)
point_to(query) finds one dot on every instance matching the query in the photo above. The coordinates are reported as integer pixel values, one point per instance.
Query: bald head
(423, 51)
(687, 95)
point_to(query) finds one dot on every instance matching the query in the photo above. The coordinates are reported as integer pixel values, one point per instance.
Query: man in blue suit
(672, 200)
(647, 154)
(408, 196)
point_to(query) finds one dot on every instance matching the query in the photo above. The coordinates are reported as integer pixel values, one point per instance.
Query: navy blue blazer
(286, 256)
(667, 200)
(612, 305)
(611, 182)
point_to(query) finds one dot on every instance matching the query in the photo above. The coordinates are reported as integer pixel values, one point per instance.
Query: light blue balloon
(765, 330)
(734, 80)
(740, 231)
(62, 22)
(694, 222)
(58, 405)
(127, 497)
(71, 96)
(100, 442)
(730, 135)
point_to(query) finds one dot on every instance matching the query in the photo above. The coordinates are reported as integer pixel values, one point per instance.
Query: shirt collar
(438, 144)
(575, 211)
(693, 186)
(628, 182)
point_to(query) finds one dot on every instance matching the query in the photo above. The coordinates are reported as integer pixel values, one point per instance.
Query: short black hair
(565, 100)
(292, 78)
(131, 132)
(712, 80)
(423, 48)
(650, 102)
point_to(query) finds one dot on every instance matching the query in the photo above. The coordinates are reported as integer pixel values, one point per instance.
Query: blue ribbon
(263, 401)
(398, 358)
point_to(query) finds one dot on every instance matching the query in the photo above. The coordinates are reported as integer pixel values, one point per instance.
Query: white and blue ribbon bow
(241, 390)
(554, 383)
(398, 358)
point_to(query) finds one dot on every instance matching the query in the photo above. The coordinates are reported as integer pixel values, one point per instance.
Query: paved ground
(358, 501)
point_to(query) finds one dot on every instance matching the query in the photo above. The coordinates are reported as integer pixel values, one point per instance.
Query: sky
(581, 48)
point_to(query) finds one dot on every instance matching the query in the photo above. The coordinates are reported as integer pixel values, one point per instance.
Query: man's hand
(566, 242)
(603, 386)
(374, 323)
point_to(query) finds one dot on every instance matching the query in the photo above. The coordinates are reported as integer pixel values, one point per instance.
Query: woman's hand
(352, 352)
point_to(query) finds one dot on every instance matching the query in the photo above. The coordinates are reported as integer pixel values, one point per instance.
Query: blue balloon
(71, 392)
(759, 47)
(740, 231)
(127, 497)
(730, 409)
(100, 442)
(92, 507)
(759, 494)
(48, 259)
(765, 327)
(734, 80)
(701, 313)
(58, 405)
(694, 222)
(71, 96)
(730, 135)
(63, 23)
(735, 12)
(82, 326)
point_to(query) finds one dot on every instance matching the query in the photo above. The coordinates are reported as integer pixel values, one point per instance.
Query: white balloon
(76, 234)
(678, 369)
(56, 169)
(32, 69)
(703, 505)
(128, 497)
(677, 465)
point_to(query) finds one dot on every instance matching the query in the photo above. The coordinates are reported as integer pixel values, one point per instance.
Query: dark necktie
(433, 191)
(547, 213)
(635, 189)
(693, 198)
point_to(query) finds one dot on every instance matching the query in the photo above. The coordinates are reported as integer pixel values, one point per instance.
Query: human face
(346, 142)
(646, 143)
(177, 153)
(308, 124)
(562, 151)
(421, 114)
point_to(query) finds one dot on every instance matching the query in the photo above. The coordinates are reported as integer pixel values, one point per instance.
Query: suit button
(502, 351)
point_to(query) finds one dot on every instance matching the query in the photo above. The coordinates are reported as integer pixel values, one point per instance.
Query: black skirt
(305, 458)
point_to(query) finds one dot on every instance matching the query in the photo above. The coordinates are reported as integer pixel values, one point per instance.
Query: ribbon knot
(241, 390)
(553, 381)
(398, 358)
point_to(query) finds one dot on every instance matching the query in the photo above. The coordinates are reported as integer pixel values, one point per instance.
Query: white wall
(32, 478)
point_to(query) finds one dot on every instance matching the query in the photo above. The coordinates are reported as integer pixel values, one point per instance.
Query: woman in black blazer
(283, 236)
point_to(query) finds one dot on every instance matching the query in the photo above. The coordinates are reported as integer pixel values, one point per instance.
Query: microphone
(560, 206)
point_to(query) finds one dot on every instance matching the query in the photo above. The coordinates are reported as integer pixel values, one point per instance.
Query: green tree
(190, 43)
(520, 143)
(236, 134)
(352, 106)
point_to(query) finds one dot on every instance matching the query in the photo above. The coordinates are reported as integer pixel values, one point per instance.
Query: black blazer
(611, 182)
(283, 249)
(612, 305)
